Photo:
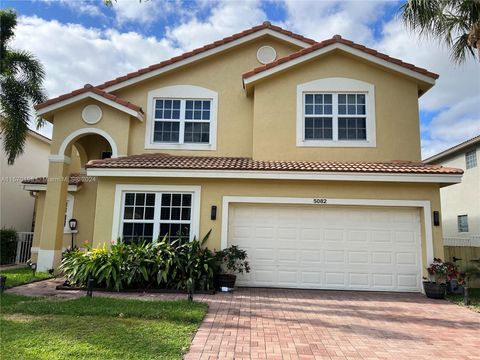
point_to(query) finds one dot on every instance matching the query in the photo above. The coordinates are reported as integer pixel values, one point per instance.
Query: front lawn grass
(96, 328)
(21, 276)
(474, 298)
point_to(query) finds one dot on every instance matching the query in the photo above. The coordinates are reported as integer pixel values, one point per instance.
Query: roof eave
(425, 82)
(47, 111)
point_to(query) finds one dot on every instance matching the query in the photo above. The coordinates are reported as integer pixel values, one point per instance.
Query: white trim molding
(348, 49)
(43, 187)
(334, 86)
(425, 205)
(59, 159)
(181, 92)
(92, 95)
(120, 189)
(87, 131)
(277, 175)
(205, 54)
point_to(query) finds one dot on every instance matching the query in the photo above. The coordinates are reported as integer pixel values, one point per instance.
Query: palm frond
(460, 49)
(14, 122)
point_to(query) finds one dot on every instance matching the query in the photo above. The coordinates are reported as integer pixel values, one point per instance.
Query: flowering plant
(442, 271)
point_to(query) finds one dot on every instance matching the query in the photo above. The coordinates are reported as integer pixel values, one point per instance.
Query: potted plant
(436, 286)
(232, 260)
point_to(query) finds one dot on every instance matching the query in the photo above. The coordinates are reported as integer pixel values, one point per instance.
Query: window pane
(360, 98)
(206, 105)
(352, 129)
(150, 200)
(308, 109)
(327, 109)
(175, 213)
(165, 213)
(327, 98)
(186, 199)
(128, 212)
(342, 99)
(138, 213)
(351, 110)
(342, 109)
(129, 198)
(189, 105)
(309, 99)
(186, 213)
(166, 131)
(176, 199)
(139, 199)
(197, 132)
(149, 212)
(318, 128)
(463, 223)
(471, 159)
(166, 199)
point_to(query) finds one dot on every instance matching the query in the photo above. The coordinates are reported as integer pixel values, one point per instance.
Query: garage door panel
(354, 248)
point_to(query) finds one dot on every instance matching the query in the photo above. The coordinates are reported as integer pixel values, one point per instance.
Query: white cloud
(146, 12)
(226, 18)
(458, 123)
(76, 55)
(322, 19)
(86, 7)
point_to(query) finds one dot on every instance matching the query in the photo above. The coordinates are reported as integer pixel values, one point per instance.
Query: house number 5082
(319, 201)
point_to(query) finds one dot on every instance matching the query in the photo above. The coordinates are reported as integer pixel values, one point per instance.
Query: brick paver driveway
(310, 324)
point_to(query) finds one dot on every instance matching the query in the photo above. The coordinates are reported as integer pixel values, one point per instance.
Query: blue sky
(82, 41)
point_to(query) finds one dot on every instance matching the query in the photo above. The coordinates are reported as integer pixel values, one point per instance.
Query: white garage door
(351, 248)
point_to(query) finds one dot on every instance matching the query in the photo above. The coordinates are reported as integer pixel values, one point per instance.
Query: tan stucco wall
(113, 121)
(396, 106)
(213, 190)
(17, 205)
(463, 198)
(223, 75)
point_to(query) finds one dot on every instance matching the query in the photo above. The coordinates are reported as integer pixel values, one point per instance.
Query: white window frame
(118, 208)
(68, 213)
(181, 92)
(471, 163)
(335, 86)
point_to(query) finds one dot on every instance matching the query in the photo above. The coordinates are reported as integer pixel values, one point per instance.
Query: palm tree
(456, 22)
(21, 78)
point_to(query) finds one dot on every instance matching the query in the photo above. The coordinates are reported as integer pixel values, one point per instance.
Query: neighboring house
(461, 202)
(18, 206)
(305, 154)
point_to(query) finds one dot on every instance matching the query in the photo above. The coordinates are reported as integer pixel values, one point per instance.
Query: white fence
(473, 241)
(24, 247)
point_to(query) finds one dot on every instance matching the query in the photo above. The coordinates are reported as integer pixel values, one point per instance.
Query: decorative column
(51, 238)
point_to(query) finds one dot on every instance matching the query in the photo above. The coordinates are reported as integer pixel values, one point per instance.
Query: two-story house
(305, 153)
(461, 202)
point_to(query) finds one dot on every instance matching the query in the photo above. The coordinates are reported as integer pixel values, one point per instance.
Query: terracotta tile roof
(74, 179)
(338, 39)
(265, 25)
(95, 90)
(166, 161)
(453, 149)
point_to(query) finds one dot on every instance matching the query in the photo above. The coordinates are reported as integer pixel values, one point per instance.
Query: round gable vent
(91, 114)
(266, 54)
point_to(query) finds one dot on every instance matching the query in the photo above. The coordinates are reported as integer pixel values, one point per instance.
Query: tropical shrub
(233, 260)
(164, 264)
(8, 245)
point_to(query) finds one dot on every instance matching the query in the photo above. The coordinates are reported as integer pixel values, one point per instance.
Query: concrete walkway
(313, 324)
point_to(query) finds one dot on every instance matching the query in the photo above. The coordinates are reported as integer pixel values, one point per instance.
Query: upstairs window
(462, 223)
(336, 112)
(330, 116)
(182, 117)
(181, 121)
(471, 159)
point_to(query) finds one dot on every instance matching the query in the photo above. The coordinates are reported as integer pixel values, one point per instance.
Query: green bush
(168, 265)
(8, 246)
